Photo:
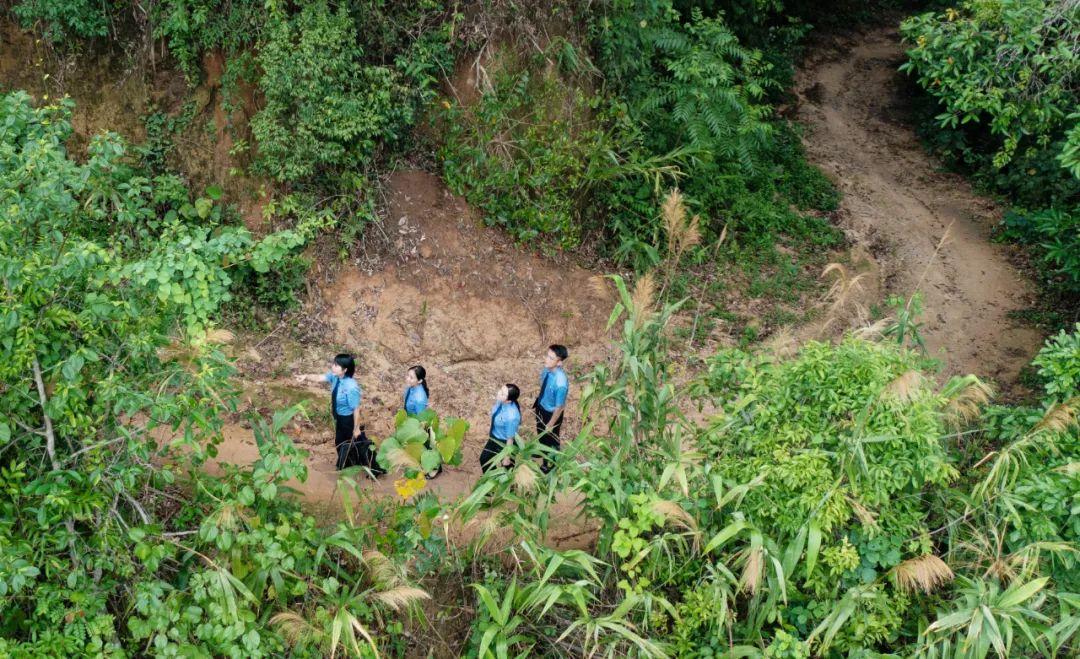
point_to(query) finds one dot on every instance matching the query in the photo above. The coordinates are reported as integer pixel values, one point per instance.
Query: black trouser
(491, 449)
(359, 451)
(549, 439)
(343, 428)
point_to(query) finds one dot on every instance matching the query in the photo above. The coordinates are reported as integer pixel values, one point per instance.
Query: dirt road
(898, 204)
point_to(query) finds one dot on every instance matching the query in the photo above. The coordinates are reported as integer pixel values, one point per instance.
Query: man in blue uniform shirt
(551, 401)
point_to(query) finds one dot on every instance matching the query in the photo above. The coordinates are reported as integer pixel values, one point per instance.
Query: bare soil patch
(464, 301)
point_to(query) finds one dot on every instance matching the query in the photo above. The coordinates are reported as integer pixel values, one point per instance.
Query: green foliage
(1059, 364)
(324, 107)
(1054, 237)
(1003, 76)
(804, 512)
(681, 100)
(528, 153)
(327, 108)
(421, 444)
(192, 27)
(116, 541)
(274, 291)
(59, 20)
(1005, 66)
(689, 83)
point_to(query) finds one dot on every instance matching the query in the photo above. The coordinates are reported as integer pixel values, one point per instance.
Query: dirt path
(464, 301)
(898, 205)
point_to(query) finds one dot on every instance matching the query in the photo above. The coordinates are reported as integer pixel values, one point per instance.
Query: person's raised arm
(311, 378)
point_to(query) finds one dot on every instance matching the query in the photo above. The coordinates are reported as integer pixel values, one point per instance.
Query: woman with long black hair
(416, 390)
(345, 396)
(505, 419)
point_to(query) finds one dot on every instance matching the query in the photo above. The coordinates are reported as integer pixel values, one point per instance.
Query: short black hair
(512, 392)
(346, 361)
(560, 350)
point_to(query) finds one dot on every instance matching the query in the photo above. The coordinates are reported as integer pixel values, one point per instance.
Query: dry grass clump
(842, 297)
(675, 514)
(1059, 418)
(401, 597)
(682, 233)
(923, 573)
(525, 477)
(750, 580)
(220, 336)
(642, 299)
(862, 513)
(906, 387)
(873, 331)
(294, 627)
(965, 398)
(598, 284)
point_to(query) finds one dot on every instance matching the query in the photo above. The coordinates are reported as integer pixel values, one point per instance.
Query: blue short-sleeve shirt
(505, 419)
(556, 389)
(416, 399)
(348, 394)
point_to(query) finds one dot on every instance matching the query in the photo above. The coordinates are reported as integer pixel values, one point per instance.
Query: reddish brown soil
(115, 91)
(464, 301)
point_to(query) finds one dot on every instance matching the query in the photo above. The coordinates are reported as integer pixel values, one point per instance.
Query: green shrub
(192, 27)
(1001, 68)
(422, 444)
(527, 154)
(278, 290)
(116, 541)
(60, 20)
(688, 84)
(1004, 90)
(1059, 365)
(1055, 240)
(324, 107)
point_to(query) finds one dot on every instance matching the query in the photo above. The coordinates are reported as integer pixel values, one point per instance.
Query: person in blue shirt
(416, 400)
(345, 398)
(505, 419)
(416, 390)
(551, 401)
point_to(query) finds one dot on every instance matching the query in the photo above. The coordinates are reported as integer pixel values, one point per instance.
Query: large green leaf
(456, 429)
(429, 460)
(447, 447)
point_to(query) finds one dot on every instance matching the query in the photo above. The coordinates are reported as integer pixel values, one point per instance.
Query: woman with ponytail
(505, 419)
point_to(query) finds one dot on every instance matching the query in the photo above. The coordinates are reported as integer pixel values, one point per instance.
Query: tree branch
(50, 448)
(50, 436)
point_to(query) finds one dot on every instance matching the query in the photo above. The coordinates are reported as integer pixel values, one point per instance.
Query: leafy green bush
(276, 291)
(421, 444)
(527, 154)
(60, 20)
(1054, 236)
(192, 27)
(1004, 85)
(116, 540)
(689, 84)
(324, 107)
(1001, 66)
(692, 84)
(1059, 364)
(822, 505)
